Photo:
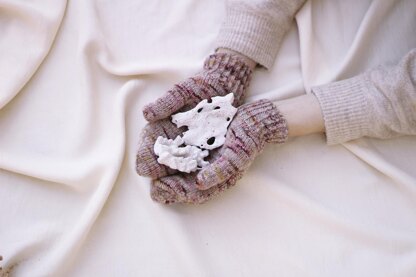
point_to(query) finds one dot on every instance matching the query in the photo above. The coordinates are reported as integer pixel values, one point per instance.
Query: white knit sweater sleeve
(379, 103)
(256, 28)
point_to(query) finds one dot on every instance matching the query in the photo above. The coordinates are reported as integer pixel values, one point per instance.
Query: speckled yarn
(223, 73)
(254, 125)
(146, 159)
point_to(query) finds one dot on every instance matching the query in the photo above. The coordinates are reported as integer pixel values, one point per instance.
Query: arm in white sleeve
(379, 103)
(255, 28)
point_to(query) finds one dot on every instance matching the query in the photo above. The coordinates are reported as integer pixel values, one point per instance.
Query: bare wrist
(303, 115)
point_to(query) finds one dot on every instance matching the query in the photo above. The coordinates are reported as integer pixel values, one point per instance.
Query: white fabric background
(73, 79)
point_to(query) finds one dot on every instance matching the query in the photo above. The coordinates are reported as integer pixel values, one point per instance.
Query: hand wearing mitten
(181, 188)
(254, 125)
(223, 73)
(146, 160)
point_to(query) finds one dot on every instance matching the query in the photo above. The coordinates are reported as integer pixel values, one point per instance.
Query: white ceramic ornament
(207, 123)
(186, 159)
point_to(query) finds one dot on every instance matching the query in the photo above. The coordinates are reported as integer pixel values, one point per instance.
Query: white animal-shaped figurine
(186, 159)
(207, 123)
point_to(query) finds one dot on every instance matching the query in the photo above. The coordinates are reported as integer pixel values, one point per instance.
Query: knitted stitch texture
(146, 159)
(257, 28)
(222, 74)
(254, 125)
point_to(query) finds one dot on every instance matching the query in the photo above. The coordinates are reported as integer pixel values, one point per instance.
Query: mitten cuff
(263, 116)
(231, 71)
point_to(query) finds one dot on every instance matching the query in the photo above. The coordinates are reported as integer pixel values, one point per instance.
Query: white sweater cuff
(254, 35)
(345, 109)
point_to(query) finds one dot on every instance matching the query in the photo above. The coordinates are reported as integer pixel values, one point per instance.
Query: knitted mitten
(222, 74)
(181, 188)
(254, 125)
(146, 160)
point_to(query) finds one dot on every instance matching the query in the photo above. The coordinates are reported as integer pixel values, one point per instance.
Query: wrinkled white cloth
(73, 79)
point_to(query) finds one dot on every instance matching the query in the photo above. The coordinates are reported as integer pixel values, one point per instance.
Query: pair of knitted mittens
(254, 125)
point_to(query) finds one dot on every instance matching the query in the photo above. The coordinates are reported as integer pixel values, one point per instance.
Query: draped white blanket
(73, 79)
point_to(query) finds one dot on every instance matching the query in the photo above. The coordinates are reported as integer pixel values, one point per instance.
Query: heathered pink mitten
(254, 125)
(181, 188)
(222, 74)
(146, 159)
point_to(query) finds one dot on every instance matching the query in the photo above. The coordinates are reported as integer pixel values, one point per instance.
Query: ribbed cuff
(255, 36)
(345, 109)
(230, 72)
(229, 64)
(264, 117)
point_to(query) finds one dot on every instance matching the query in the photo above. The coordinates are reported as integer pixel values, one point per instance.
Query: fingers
(236, 155)
(163, 194)
(146, 160)
(227, 165)
(171, 189)
(171, 102)
(208, 194)
(215, 173)
(182, 189)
